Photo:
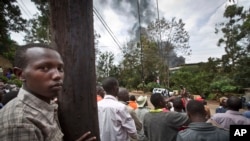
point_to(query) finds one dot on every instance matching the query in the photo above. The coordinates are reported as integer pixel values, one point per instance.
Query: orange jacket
(133, 104)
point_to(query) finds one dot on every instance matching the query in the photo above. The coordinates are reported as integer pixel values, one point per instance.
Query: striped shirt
(27, 118)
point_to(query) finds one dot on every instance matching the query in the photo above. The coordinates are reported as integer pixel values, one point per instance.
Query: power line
(107, 27)
(26, 8)
(25, 12)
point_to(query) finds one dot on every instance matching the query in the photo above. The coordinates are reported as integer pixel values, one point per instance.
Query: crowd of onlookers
(7, 92)
(31, 114)
(181, 118)
(124, 116)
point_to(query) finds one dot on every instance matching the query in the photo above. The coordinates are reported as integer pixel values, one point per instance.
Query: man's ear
(18, 72)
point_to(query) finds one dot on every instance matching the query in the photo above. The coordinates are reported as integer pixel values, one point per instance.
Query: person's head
(123, 95)
(132, 98)
(223, 102)
(100, 91)
(111, 86)
(157, 100)
(196, 111)
(234, 103)
(40, 67)
(178, 104)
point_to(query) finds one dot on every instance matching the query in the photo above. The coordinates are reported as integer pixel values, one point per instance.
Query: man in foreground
(31, 116)
(198, 129)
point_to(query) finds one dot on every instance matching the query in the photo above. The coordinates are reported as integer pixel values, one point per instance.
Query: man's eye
(60, 69)
(44, 68)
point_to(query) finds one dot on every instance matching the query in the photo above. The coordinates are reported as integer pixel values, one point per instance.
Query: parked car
(162, 91)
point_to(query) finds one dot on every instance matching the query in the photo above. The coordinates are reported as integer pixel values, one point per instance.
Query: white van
(162, 91)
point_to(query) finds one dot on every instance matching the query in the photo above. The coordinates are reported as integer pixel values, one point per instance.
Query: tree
(153, 67)
(39, 30)
(171, 37)
(105, 64)
(10, 20)
(193, 78)
(242, 74)
(130, 66)
(172, 33)
(73, 36)
(236, 36)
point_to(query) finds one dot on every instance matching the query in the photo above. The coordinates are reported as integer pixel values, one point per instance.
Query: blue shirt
(247, 114)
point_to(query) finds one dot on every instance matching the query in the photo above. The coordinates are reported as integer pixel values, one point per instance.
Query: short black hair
(20, 59)
(132, 98)
(109, 83)
(177, 103)
(195, 107)
(123, 94)
(156, 100)
(234, 103)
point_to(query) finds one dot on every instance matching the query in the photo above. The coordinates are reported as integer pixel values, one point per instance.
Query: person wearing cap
(140, 112)
(247, 112)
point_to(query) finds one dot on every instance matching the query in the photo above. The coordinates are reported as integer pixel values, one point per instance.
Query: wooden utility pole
(73, 36)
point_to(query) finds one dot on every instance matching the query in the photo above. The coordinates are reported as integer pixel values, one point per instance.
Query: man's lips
(57, 86)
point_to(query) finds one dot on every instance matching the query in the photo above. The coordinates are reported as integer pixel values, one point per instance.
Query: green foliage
(242, 74)
(223, 84)
(39, 30)
(196, 79)
(105, 65)
(236, 37)
(12, 80)
(211, 96)
(10, 20)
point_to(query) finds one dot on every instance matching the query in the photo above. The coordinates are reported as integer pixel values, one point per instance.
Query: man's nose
(56, 74)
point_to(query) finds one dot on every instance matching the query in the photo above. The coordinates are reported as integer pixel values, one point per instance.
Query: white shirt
(115, 122)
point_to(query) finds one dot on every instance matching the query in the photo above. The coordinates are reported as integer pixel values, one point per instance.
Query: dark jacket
(201, 131)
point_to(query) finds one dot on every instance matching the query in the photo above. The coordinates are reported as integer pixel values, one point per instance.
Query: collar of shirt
(233, 112)
(156, 111)
(107, 96)
(36, 103)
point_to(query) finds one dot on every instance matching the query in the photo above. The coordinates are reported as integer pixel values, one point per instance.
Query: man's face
(43, 76)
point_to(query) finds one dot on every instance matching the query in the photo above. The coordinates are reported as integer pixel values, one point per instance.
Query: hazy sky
(199, 16)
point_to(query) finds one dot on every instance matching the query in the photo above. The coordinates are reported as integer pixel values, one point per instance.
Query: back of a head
(157, 100)
(110, 85)
(234, 103)
(123, 95)
(195, 108)
(177, 103)
(21, 59)
(100, 91)
(132, 98)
